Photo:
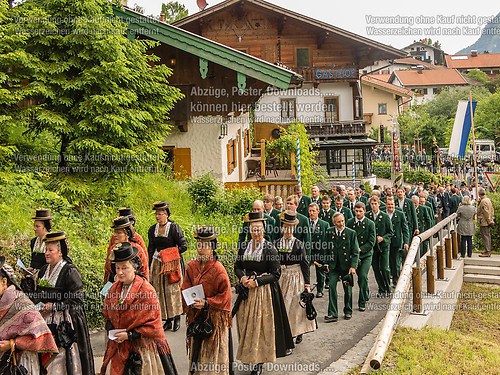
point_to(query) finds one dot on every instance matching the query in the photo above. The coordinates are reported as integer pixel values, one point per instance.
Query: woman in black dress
(258, 269)
(295, 275)
(59, 297)
(166, 243)
(41, 226)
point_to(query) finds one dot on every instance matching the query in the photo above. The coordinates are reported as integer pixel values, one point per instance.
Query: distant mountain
(489, 40)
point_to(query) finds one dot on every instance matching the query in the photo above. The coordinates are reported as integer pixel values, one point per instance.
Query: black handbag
(133, 365)
(8, 363)
(306, 298)
(63, 333)
(202, 327)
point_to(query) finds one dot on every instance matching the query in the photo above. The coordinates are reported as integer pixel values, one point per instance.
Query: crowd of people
(436, 161)
(148, 288)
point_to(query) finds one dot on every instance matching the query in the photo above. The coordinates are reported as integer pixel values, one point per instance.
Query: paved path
(317, 351)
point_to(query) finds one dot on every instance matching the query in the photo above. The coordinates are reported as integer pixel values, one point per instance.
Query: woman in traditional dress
(60, 295)
(166, 266)
(294, 276)
(127, 211)
(263, 328)
(208, 355)
(137, 343)
(22, 328)
(41, 226)
(123, 232)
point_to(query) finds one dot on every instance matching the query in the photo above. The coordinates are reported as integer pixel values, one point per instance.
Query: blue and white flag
(461, 128)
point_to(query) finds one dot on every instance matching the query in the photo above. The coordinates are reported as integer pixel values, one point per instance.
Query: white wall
(208, 152)
(309, 102)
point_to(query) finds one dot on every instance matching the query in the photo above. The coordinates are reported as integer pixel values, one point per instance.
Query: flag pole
(474, 154)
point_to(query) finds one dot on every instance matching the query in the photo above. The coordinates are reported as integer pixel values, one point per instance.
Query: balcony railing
(343, 129)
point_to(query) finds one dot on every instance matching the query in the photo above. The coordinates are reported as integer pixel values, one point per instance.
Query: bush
(382, 169)
(203, 190)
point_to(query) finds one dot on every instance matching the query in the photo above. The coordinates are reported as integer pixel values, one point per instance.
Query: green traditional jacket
(401, 230)
(410, 214)
(424, 218)
(343, 250)
(327, 216)
(303, 207)
(318, 240)
(344, 211)
(366, 235)
(383, 227)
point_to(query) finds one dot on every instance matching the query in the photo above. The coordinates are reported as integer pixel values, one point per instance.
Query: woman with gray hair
(466, 228)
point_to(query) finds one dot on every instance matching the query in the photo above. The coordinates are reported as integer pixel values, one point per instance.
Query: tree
(486, 118)
(174, 11)
(98, 93)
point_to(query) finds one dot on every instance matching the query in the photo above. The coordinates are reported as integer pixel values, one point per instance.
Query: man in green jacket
(303, 201)
(318, 230)
(400, 241)
(274, 213)
(326, 212)
(408, 208)
(424, 215)
(342, 253)
(339, 207)
(367, 236)
(380, 260)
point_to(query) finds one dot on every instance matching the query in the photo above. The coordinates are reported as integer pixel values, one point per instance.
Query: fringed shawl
(142, 254)
(19, 320)
(217, 290)
(140, 311)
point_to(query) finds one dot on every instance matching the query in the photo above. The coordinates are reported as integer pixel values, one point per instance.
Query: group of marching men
(346, 238)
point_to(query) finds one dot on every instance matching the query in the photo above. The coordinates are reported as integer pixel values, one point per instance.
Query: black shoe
(167, 325)
(362, 309)
(298, 340)
(330, 319)
(288, 352)
(177, 323)
(319, 295)
(327, 286)
(347, 316)
(257, 370)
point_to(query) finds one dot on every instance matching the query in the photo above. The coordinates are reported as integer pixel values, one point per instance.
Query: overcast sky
(366, 17)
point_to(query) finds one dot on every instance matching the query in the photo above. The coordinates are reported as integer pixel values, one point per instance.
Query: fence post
(440, 262)
(454, 244)
(263, 159)
(431, 286)
(417, 290)
(447, 248)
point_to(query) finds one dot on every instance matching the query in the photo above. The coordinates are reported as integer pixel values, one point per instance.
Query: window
(382, 108)
(425, 91)
(232, 157)
(436, 90)
(332, 109)
(303, 57)
(246, 142)
(288, 111)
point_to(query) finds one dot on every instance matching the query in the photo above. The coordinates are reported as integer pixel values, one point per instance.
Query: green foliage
(287, 143)
(382, 169)
(436, 117)
(203, 190)
(102, 98)
(486, 118)
(174, 11)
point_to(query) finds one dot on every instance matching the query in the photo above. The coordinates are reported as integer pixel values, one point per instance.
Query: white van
(485, 150)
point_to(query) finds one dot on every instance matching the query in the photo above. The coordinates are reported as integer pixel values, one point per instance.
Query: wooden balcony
(343, 129)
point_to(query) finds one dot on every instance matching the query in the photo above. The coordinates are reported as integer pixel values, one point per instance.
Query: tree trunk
(63, 163)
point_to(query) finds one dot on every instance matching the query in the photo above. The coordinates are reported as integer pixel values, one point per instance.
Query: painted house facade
(330, 100)
(210, 130)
